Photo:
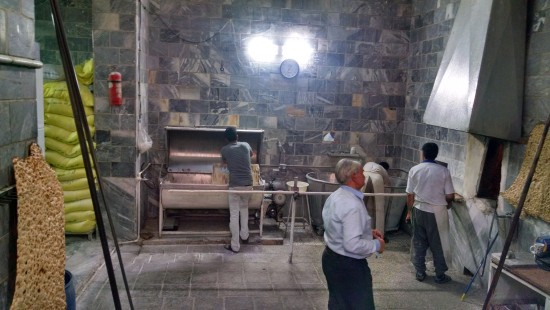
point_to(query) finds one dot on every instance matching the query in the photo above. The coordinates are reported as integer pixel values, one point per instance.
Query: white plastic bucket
(302, 186)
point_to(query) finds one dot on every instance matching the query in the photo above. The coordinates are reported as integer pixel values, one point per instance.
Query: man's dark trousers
(349, 282)
(426, 235)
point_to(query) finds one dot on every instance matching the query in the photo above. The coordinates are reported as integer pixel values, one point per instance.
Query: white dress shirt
(348, 225)
(429, 182)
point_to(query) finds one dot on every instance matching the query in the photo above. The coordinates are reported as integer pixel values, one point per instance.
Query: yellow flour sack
(70, 174)
(79, 216)
(63, 107)
(65, 122)
(59, 90)
(80, 227)
(79, 205)
(57, 160)
(85, 72)
(70, 196)
(63, 135)
(67, 150)
(75, 184)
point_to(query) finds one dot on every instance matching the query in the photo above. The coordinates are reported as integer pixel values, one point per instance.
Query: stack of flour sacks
(63, 151)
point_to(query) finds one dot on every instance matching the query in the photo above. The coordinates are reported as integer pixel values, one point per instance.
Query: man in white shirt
(429, 192)
(350, 240)
(376, 178)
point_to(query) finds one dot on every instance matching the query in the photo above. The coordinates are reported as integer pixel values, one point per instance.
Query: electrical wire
(179, 36)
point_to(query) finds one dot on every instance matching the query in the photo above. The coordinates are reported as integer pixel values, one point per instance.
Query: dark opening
(489, 185)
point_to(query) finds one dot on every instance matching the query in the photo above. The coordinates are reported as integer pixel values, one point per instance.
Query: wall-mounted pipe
(20, 62)
(140, 174)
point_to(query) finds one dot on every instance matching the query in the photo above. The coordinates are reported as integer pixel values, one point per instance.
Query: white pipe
(276, 192)
(137, 164)
(41, 140)
(20, 62)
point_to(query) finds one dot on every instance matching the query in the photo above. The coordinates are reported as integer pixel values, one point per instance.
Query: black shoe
(245, 241)
(420, 276)
(229, 248)
(442, 279)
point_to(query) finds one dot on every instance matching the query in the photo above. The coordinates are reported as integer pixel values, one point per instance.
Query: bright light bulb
(297, 49)
(262, 49)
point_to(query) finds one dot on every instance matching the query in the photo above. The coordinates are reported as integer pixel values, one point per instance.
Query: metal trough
(192, 155)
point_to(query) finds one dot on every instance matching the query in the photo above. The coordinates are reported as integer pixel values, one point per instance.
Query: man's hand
(408, 217)
(377, 234)
(382, 245)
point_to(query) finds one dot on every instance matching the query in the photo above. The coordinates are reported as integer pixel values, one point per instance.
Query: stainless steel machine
(193, 153)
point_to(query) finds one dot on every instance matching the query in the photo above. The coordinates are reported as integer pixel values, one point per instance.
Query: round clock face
(290, 68)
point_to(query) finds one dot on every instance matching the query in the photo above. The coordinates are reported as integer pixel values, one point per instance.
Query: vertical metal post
(293, 217)
(88, 156)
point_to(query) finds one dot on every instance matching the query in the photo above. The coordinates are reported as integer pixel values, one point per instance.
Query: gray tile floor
(261, 277)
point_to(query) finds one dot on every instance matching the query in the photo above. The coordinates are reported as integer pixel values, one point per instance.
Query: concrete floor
(179, 276)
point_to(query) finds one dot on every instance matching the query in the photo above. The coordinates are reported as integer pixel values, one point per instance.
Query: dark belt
(331, 252)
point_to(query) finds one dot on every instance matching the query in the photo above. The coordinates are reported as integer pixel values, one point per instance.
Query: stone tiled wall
(114, 38)
(354, 85)
(537, 68)
(77, 22)
(430, 29)
(471, 220)
(18, 123)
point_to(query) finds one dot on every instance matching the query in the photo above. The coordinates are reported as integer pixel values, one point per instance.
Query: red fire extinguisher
(115, 88)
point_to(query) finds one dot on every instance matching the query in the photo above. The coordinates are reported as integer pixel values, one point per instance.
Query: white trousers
(374, 183)
(238, 216)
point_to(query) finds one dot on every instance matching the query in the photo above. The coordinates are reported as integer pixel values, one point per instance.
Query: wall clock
(289, 68)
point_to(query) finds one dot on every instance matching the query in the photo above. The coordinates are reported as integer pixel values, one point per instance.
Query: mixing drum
(319, 182)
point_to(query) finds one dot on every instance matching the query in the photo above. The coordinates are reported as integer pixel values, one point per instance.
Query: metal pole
(292, 219)
(88, 156)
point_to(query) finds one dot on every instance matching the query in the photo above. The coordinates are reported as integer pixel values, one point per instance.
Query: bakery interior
(306, 83)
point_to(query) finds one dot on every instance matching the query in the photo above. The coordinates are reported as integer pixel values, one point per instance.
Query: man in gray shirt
(237, 157)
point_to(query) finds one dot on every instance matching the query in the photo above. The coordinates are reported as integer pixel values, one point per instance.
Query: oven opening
(489, 184)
